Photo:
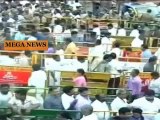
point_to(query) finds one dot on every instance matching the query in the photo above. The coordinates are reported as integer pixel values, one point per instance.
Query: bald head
(87, 110)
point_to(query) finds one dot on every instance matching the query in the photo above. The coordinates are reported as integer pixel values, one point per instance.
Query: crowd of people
(64, 26)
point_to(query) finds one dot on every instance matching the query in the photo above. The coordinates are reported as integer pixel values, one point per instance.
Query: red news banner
(14, 75)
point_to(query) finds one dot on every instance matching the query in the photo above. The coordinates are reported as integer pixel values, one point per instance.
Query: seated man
(124, 114)
(5, 95)
(87, 111)
(149, 66)
(120, 101)
(53, 100)
(21, 103)
(100, 105)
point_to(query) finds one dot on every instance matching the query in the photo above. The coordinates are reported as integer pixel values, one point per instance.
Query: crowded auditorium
(101, 60)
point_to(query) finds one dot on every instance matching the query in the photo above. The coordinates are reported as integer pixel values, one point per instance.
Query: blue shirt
(19, 36)
(146, 54)
(53, 102)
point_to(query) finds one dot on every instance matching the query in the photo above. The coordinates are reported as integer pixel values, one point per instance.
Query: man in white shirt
(100, 105)
(155, 83)
(97, 30)
(121, 31)
(68, 101)
(57, 28)
(106, 41)
(38, 79)
(87, 111)
(135, 32)
(149, 104)
(82, 98)
(116, 49)
(22, 103)
(5, 95)
(120, 101)
(112, 30)
(137, 42)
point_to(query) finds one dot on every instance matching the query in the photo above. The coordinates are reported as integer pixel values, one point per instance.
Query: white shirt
(82, 101)
(106, 43)
(7, 61)
(23, 60)
(97, 31)
(58, 29)
(117, 51)
(157, 117)
(118, 103)
(80, 65)
(155, 85)
(158, 53)
(121, 32)
(66, 100)
(90, 117)
(29, 101)
(58, 15)
(113, 31)
(32, 38)
(11, 20)
(134, 33)
(100, 50)
(136, 42)
(147, 107)
(5, 98)
(99, 106)
(38, 79)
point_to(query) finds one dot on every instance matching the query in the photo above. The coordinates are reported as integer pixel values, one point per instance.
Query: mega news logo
(26, 45)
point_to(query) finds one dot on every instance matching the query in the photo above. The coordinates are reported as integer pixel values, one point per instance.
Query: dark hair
(106, 56)
(145, 46)
(135, 26)
(51, 89)
(156, 74)
(4, 85)
(149, 10)
(57, 22)
(27, 4)
(137, 110)
(95, 25)
(113, 55)
(110, 25)
(68, 40)
(21, 91)
(82, 72)
(150, 93)
(74, 26)
(67, 89)
(152, 59)
(97, 96)
(136, 71)
(98, 42)
(27, 53)
(82, 89)
(21, 28)
(36, 67)
(117, 44)
(45, 30)
(74, 32)
(7, 30)
(128, 49)
(124, 110)
(122, 25)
